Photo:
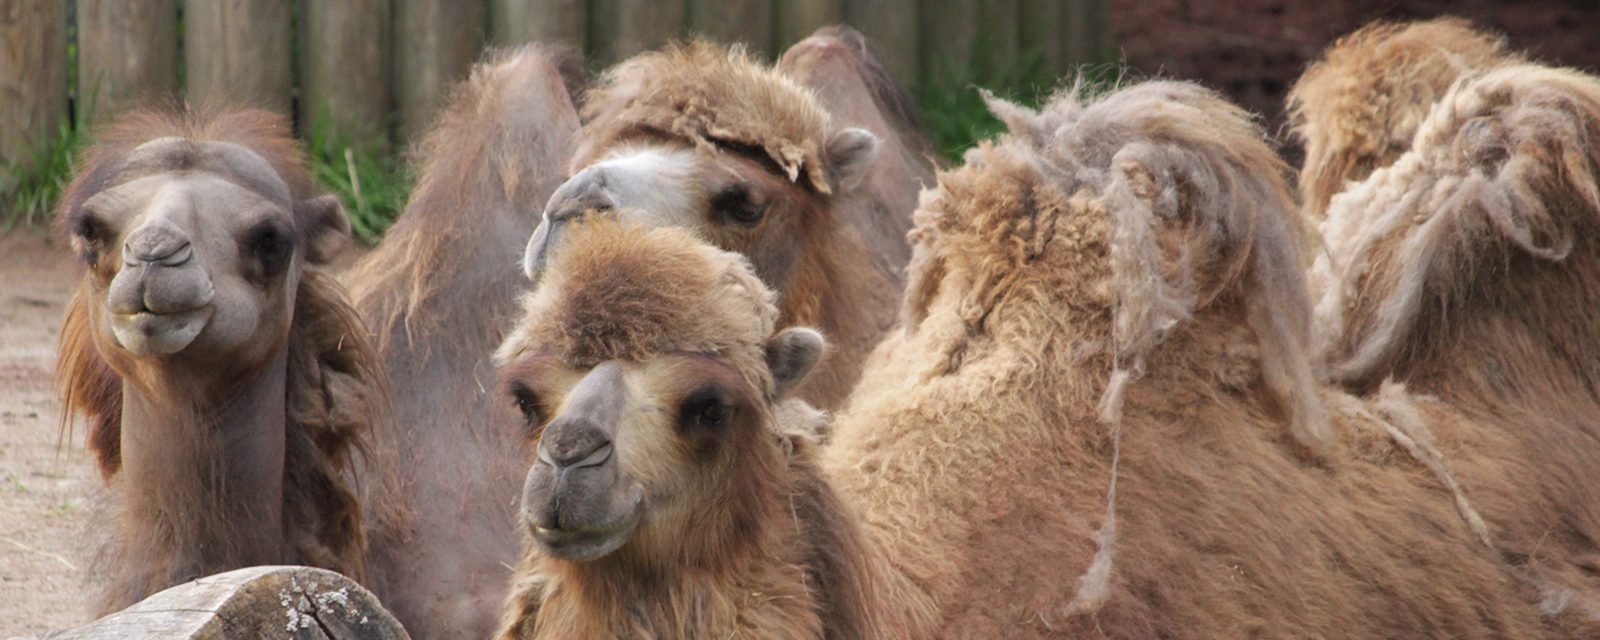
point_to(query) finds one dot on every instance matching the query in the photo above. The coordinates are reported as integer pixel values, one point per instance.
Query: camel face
(195, 252)
(647, 370)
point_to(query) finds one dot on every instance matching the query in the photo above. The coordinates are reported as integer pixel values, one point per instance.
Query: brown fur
(1467, 271)
(836, 261)
(440, 292)
(334, 386)
(1358, 108)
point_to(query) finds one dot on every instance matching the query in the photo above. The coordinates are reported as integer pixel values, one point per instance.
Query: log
(436, 42)
(891, 26)
(514, 22)
(33, 79)
(643, 25)
(797, 19)
(236, 52)
(127, 54)
(257, 602)
(746, 21)
(344, 64)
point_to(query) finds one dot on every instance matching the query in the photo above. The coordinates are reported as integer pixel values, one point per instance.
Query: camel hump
(1503, 169)
(258, 602)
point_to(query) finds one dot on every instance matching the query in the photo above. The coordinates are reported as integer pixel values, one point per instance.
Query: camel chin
(159, 334)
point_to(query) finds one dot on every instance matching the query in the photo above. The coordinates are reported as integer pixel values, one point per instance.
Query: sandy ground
(47, 485)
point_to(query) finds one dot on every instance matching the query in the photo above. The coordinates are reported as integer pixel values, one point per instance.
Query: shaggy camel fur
(1358, 108)
(225, 379)
(746, 156)
(1110, 291)
(1466, 270)
(440, 293)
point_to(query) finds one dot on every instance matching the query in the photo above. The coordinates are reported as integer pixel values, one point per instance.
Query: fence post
(798, 18)
(236, 52)
(127, 53)
(1085, 30)
(344, 69)
(951, 42)
(747, 21)
(436, 42)
(643, 25)
(998, 39)
(1041, 35)
(33, 79)
(891, 26)
(513, 22)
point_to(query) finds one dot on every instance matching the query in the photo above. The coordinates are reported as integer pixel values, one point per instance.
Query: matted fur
(1358, 108)
(1149, 232)
(709, 95)
(335, 386)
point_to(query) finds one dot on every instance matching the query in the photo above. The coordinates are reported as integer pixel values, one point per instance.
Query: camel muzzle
(579, 196)
(160, 300)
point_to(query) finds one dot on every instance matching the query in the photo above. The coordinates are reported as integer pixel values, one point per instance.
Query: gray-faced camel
(811, 169)
(1468, 271)
(1094, 421)
(440, 293)
(226, 380)
(1358, 107)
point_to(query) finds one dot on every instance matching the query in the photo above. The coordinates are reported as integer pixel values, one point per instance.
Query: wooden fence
(365, 69)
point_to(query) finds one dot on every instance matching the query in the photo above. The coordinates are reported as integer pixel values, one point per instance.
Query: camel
(1462, 273)
(1358, 108)
(1101, 373)
(811, 169)
(226, 380)
(439, 293)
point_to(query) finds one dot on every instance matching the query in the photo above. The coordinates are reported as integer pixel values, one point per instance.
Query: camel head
(649, 373)
(194, 237)
(703, 138)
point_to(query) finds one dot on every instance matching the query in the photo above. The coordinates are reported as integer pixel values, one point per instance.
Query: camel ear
(791, 354)
(850, 156)
(326, 225)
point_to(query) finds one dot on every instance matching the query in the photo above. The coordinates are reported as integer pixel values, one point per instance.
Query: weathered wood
(950, 44)
(127, 54)
(798, 18)
(643, 25)
(257, 602)
(33, 79)
(1085, 32)
(236, 52)
(997, 39)
(747, 21)
(344, 68)
(891, 26)
(1040, 36)
(513, 22)
(436, 42)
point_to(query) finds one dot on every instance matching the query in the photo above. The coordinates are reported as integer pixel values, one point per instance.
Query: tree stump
(257, 602)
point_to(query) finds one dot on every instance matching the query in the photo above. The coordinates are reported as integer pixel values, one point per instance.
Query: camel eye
(90, 234)
(706, 410)
(734, 203)
(528, 404)
(269, 243)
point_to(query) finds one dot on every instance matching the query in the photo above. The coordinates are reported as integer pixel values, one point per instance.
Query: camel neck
(203, 478)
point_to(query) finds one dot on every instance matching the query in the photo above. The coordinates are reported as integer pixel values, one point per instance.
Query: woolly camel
(1358, 108)
(750, 158)
(1467, 271)
(225, 379)
(1110, 291)
(440, 292)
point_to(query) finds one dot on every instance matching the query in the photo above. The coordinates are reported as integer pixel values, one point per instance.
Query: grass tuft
(371, 180)
(29, 190)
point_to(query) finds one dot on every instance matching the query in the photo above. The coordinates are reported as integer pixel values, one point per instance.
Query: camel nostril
(588, 450)
(159, 247)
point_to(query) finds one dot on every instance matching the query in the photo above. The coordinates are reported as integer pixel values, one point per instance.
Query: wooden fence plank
(950, 37)
(33, 78)
(997, 39)
(643, 25)
(1040, 37)
(344, 69)
(798, 18)
(891, 27)
(747, 21)
(127, 53)
(435, 44)
(236, 52)
(1085, 30)
(513, 22)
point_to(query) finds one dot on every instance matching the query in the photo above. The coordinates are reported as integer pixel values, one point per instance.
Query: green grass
(371, 180)
(28, 191)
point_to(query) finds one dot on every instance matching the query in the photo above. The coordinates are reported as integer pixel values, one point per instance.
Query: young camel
(1110, 291)
(440, 293)
(1467, 271)
(1358, 108)
(748, 157)
(225, 378)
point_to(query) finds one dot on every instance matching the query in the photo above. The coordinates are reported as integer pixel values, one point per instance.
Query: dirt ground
(46, 491)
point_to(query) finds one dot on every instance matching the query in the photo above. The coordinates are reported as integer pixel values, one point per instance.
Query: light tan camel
(225, 379)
